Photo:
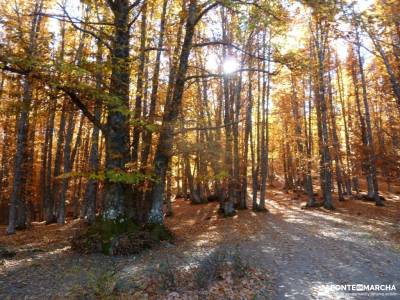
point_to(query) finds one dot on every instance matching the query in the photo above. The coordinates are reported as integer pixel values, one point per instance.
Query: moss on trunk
(119, 237)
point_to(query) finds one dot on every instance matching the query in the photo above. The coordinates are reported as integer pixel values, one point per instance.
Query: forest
(199, 149)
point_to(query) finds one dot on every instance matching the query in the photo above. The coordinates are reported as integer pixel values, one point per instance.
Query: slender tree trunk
(67, 167)
(349, 163)
(249, 109)
(335, 139)
(147, 135)
(90, 197)
(29, 184)
(372, 176)
(235, 131)
(50, 216)
(265, 93)
(194, 196)
(308, 137)
(139, 85)
(227, 202)
(4, 168)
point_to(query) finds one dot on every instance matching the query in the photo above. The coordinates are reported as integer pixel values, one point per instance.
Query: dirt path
(311, 248)
(300, 250)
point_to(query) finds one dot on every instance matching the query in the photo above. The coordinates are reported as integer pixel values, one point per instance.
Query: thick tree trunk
(17, 209)
(326, 171)
(17, 213)
(117, 137)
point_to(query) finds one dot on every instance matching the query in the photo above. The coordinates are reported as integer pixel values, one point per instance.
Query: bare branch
(228, 44)
(134, 19)
(206, 10)
(73, 23)
(134, 4)
(73, 95)
(184, 130)
(76, 20)
(211, 75)
(77, 101)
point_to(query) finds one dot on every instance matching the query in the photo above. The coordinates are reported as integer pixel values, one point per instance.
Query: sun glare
(212, 62)
(230, 65)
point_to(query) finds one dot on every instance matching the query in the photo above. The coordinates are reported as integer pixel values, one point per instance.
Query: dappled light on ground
(300, 250)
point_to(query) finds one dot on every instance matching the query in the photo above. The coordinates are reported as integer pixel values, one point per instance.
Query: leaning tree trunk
(164, 147)
(394, 81)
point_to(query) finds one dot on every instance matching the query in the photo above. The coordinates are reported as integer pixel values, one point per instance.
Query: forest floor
(288, 252)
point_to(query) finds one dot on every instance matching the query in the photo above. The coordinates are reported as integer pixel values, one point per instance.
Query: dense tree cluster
(110, 107)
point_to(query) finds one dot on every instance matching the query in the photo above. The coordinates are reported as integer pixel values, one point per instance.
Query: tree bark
(265, 94)
(335, 141)
(326, 178)
(372, 176)
(117, 138)
(139, 85)
(17, 209)
(147, 134)
(164, 147)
